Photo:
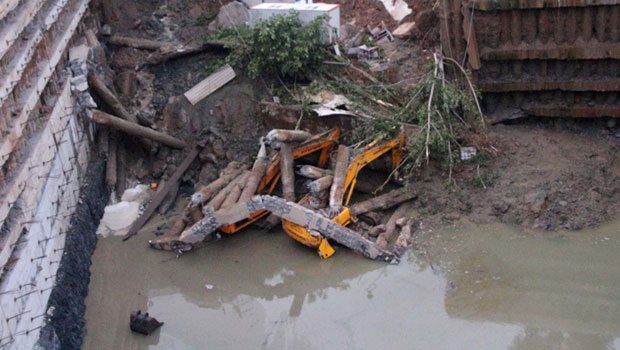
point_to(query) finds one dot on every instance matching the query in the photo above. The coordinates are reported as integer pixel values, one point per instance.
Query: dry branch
(112, 100)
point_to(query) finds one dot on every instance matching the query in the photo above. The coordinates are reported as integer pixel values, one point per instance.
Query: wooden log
(110, 98)
(127, 127)
(194, 214)
(391, 226)
(375, 231)
(103, 142)
(321, 184)
(336, 194)
(287, 171)
(170, 199)
(138, 43)
(217, 201)
(178, 227)
(312, 172)
(258, 171)
(161, 193)
(283, 135)
(111, 163)
(384, 201)
(404, 238)
(205, 193)
(164, 55)
(233, 197)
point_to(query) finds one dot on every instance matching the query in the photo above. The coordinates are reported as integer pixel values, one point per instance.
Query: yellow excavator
(370, 153)
(323, 142)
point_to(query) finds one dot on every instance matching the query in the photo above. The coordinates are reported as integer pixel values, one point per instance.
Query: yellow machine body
(370, 153)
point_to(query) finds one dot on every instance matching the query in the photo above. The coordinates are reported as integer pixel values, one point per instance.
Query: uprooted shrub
(281, 45)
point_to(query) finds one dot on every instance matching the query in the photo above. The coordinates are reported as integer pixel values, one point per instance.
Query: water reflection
(488, 287)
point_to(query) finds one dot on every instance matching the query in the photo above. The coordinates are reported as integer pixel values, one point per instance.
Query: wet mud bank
(66, 306)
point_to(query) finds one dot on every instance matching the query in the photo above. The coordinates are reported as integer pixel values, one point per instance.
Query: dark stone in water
(143, 323)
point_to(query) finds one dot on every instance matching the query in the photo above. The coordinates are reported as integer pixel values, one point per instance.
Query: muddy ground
(537, 174)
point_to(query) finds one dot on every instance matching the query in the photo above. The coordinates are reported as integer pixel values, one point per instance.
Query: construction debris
(240, 197)
(210, 84)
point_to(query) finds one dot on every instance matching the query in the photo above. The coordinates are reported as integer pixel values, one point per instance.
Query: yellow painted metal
(371, 152)
(325, 249)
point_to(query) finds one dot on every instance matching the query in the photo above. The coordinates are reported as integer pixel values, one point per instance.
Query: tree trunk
(137, 130)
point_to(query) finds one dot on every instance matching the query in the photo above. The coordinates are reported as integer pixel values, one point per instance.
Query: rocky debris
(230, 15)
(405, 30)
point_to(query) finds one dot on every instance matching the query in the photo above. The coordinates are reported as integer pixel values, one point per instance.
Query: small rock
(401, 222)
(536, 200)
(405, 30)
(230, 15)
(218, 148)
(106, 30)
(209, 286)
(563, 203)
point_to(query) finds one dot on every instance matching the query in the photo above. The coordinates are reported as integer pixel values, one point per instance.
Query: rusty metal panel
(543, 57)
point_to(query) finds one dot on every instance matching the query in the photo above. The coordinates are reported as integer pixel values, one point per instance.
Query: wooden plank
(493, 5)
(13, 27)
(32, 95)
(22, 59)
(469, 28)
(161, 193)
(210, 84)
(592, 50)
(563, 85)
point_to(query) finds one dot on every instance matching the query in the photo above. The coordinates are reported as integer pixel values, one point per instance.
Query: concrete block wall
(44, 149)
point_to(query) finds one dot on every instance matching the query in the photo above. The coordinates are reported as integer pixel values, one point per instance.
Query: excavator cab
(371, 152)
(323, 142)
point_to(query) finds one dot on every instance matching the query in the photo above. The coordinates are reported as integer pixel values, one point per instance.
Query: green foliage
(281, 45)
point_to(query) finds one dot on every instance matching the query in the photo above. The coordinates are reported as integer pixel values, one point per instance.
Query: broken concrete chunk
(230, 15)
(79, 53)
(405, 30)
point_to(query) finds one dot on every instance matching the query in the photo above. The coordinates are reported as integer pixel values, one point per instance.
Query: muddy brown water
(465, 287)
